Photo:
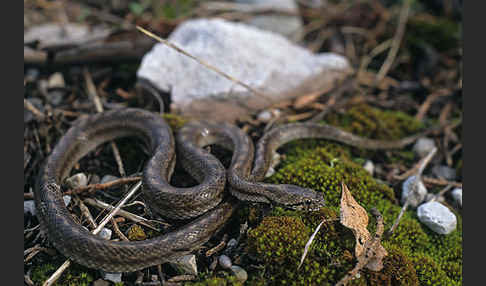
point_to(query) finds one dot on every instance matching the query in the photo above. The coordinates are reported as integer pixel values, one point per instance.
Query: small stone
(67, 199)
(267, 115)
(457, 196)
(186, 263)
(77, 180)
(225, 261)
(101, 282)
(417, 196)
(275, 161)
(154, 277)
(231, 243)
(444, 172)
(29, 207)
(369, 167)
(437, 217)
(108, 178)
(423, 146)
(56, 80)
(55, 97)
(105, 233)
(114, 277)
(240, 273)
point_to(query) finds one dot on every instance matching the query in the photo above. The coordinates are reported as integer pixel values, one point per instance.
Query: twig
(93, 187)
(396, 41)
(128, 215)
(441, 182)
(99, 108)
(117, 230)
(309, 242)
(171, 45)
(428, 102)
(105, 220)
(85, 211)
(30, 107)
(441, 193)
(218, 247)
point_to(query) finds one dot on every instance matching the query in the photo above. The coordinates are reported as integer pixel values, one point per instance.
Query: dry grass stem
(37, 113)
(397, 39)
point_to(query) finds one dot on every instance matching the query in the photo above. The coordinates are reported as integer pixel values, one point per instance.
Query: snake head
(300, 198)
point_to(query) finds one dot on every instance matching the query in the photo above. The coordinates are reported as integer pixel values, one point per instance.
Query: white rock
(267, 115)
(56, 80)
(114, 277)
(369, 166)
(418, 196)
(186, 263)
(268, 63)
(457, 196)
(67, 199)
(437, 217)
(286, 25)
(105, 233)
(29, 207)
(239, 273)
(77, 180)
(423, 146)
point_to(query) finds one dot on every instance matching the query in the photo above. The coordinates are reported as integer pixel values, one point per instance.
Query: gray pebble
(239, 273)
(418, 196)
(67, 199)
(101, 282)
(437, 217)
(29, 207)
(114, 277)
(77, 180)
(55, 97)
(231, 243)
(457, 196)
(225, 261)
(105, 233)
(444, 172)
(423, 146)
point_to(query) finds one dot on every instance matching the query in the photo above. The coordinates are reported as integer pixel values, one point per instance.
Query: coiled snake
(207, 202)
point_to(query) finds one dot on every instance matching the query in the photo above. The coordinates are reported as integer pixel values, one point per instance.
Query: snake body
(206, 203)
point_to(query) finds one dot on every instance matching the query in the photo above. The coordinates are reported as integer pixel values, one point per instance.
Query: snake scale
(207, 205)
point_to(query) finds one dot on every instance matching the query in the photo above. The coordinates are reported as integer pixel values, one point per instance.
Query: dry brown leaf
(355, 217)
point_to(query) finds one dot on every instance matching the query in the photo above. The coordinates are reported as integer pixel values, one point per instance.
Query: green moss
(74, 276)
(441, 33)
(211, 280)
(374, 123)
(278, 241)
(175, 121)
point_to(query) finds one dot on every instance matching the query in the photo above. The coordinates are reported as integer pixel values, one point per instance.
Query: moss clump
(371, 122)
(135, 232)
(74, 276)
(331, 256)
(175, 121)
(207, 280)
(397, 270)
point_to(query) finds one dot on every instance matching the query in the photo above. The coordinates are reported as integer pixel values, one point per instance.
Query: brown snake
(206, 203)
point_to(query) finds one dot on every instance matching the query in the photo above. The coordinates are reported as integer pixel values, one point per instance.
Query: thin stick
(30, 107)
(105, 220)
(99, 108)
(396, 41)
(92, 187)
(128, 215)
(211, 67)
(117, 230)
